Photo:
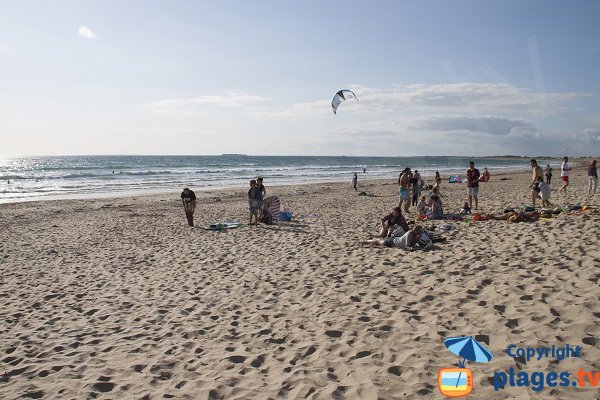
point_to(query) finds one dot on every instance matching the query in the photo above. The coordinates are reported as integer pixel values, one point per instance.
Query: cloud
(483, 125)
(193, 105)
(86, 33)
(482, 98)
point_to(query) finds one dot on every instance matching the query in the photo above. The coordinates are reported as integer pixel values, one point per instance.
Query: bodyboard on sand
(223, 225)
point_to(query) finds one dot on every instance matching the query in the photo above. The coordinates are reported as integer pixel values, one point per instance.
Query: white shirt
(544, 190)
(563, 166)
(403, 242)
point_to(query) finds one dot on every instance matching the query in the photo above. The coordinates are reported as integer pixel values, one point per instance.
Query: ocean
(36, 178)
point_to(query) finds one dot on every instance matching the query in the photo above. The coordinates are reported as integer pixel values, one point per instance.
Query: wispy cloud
(482, 125)
(86, 33)
(482, 98)
(194, 105)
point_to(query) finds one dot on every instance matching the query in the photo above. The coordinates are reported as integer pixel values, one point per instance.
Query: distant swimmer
(364, 170)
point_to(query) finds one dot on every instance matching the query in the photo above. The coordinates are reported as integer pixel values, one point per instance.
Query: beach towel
(223, 225)
(455, 179)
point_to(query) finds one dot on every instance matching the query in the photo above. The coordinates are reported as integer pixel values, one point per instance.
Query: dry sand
(119, 299)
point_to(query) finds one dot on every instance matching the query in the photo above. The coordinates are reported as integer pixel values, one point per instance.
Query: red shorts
(565, 178)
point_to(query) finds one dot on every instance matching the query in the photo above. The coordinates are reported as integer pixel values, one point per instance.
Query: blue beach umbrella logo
(469, 349)
(458, 382)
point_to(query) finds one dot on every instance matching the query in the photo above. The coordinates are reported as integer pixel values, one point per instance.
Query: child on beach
(422, 206)
(466, 209)
(261, 187)
(263, 193)
(543, 191)
(254, 201)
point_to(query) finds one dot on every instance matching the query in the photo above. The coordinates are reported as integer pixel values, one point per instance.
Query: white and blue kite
(340, 97)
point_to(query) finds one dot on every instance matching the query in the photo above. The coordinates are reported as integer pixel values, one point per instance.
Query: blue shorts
(254, 205)
(404, 194)
(473, 191)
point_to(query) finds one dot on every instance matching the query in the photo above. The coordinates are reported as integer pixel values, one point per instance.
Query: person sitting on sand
(254, 201)
(437, 211)
(466, 209)
(422, 206)
(390, 222)
(408, 241)
(485, 176)
(543, 191)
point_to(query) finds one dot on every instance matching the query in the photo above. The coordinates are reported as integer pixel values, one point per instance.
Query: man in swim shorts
(536, 173)
(405, 186)
(473, 184)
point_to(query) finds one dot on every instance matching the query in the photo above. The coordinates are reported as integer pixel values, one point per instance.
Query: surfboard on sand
(223, 225)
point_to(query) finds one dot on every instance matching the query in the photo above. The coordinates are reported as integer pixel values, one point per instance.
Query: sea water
(35, 178)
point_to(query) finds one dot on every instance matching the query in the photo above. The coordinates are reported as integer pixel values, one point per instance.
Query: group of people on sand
(395, 231)
(541, 190)
(256, 194)
(411, 186)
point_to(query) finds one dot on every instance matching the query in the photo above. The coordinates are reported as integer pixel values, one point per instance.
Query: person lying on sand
(390, 222)
(408, 241)
(518, 216)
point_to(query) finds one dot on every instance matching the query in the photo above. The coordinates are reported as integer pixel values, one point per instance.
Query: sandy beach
(119, 299)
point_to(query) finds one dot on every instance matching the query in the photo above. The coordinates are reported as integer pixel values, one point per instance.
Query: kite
(340, 97)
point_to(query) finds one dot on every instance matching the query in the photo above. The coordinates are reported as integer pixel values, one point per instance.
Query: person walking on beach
(416, 187)
(537, 172)
(254, 201)
(354, 181)
(188, 199)
(548, 174)
(592, 178)
(564, 174)
(404, 183)
(473, 184)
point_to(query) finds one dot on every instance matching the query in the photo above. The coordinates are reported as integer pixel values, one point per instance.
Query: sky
(470, 78)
